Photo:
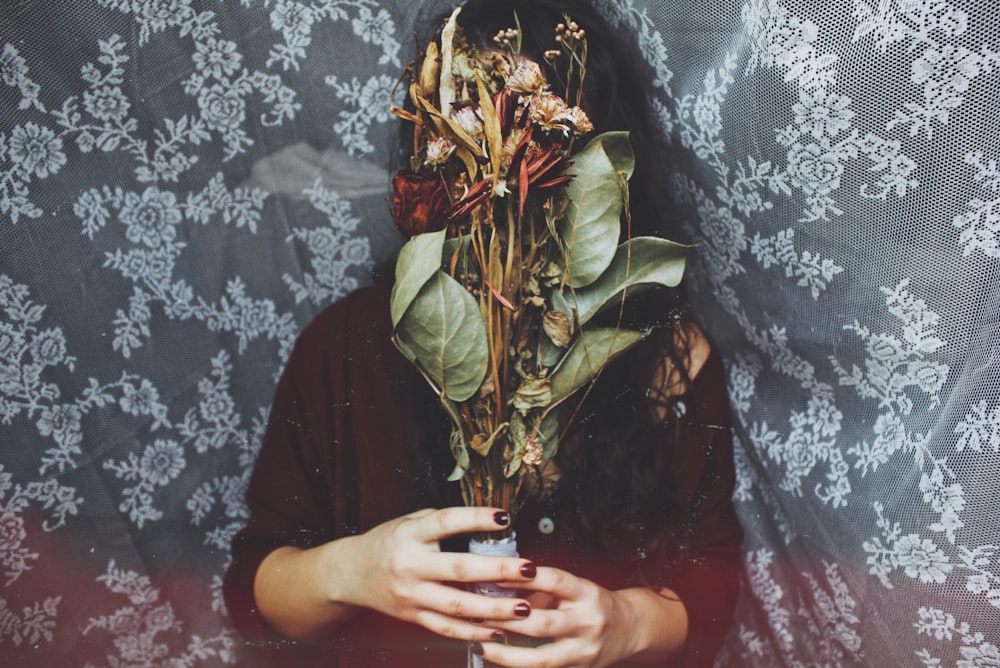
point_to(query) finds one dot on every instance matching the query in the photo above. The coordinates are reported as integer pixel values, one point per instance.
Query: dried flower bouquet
(514, 247)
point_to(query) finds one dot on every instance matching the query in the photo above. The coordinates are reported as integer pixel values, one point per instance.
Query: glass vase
(500, 547)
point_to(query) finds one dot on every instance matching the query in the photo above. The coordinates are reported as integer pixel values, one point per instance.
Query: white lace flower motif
(106, 103)
(222, 107)
(374, 28)
(292, 18)
(151, 218)
(940, 496)
(707, 115)
(161, 462)
(921, 558)
(984, 655)
(10, 341)
(35, 149)
(216, 407)
(13, 68)
(374, 98)
(11, 530)
(60, 421)
(142, 400)
(48, 348)
(217, 58)
(821, 113)
(814, 169)
(947, 65)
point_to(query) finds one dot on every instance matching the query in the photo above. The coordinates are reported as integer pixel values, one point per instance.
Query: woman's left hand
(590, 626)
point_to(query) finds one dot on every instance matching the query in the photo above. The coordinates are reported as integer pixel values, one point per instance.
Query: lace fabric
(185, 183)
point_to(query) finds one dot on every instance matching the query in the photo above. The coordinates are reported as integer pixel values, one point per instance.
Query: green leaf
(548, 434)
(461, 455)
(533, 392)
(444, 330)
(650, 261)
(418, 261)
(589, 354)
(589, 232)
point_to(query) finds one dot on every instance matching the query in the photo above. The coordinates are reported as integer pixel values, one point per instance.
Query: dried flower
(419, 203)
(470, 120)
(580, 121)
(551, 113)
(527, 78)
(533, 451)
(438, 151)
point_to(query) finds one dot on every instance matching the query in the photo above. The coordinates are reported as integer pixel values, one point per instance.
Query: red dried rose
(419, 203)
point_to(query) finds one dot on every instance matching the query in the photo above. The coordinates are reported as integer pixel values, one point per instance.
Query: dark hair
(610, 448)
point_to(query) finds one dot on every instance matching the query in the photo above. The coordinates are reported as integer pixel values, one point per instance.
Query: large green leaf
(587, 356)
(649, 261)
(590, 229)
(418, 261)
(444, 330)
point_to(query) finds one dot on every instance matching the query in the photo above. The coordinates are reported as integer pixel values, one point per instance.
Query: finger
(460, 629)
(557, 583)
(512, 572)
(457, 603)
(434, 526)
(552, 655)
(539, 624)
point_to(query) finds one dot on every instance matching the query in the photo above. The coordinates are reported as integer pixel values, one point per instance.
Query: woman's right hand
(402, 572)
(397, 568)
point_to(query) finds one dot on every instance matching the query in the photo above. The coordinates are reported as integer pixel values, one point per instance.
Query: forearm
(655, 621)
(301, 593)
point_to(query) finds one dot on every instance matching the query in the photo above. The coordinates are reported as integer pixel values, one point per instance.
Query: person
(630, 545)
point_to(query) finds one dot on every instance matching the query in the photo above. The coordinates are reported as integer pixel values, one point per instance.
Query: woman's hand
(398, 569)
(591, 626)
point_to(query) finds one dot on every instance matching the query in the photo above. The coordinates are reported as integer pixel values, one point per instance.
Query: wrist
(338, 572)
(654, 623)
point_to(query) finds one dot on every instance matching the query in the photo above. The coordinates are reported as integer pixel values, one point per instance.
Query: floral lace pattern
(185, 183)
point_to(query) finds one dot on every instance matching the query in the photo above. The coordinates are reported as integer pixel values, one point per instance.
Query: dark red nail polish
(522, 609)
(528, 570)
(498, 636)
(501, 518)
(477, 649)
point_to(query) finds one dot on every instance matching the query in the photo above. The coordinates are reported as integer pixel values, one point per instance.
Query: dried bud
(419, 203)
(429, 71)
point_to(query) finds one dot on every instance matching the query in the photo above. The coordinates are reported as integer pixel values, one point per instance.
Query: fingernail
(522, 609)
(528, 570)
(477, 649)
(498, 636)
(501, 518)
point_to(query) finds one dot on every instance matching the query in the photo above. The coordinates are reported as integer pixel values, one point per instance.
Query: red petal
(522, 187)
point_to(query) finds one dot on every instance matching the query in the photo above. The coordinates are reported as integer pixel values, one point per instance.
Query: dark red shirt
(340, 456)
